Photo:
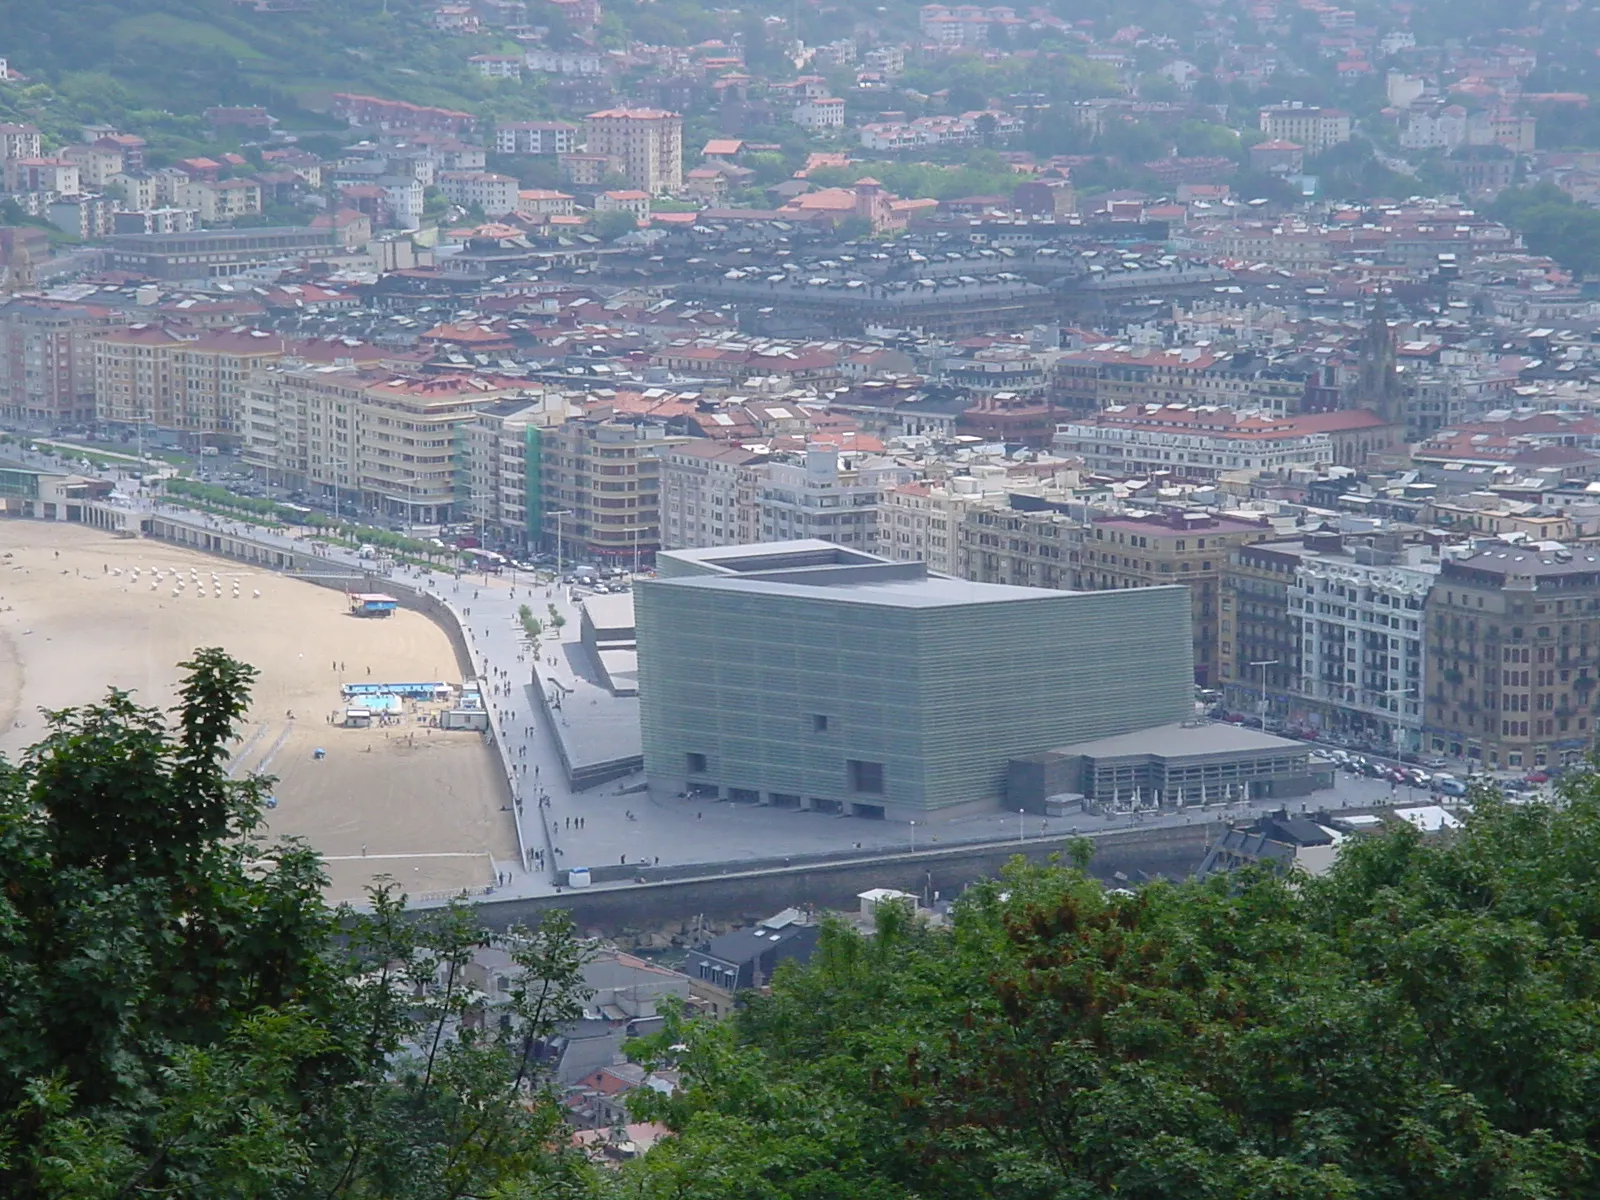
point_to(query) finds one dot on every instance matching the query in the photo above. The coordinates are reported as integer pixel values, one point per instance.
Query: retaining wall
(1173, 852)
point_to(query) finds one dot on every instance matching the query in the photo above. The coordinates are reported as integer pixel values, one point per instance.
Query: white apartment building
(827, 493)
(1435, 127)
(1193, 443)
(19, 141)
(536, 137)
(709, 493)
(566, 62)
(1314, 128)
(497, 66)
(648, 142)
(405, 198)
(821, 115)
(1361, 642)
(495, 194)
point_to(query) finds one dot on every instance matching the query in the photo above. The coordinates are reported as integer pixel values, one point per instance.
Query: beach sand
(423, 809)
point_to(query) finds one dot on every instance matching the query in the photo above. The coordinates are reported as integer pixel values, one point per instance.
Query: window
(865, 776)
(696, 763)
(819, 723)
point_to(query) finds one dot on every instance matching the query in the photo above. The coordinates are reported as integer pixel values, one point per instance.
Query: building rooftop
(1186, 741)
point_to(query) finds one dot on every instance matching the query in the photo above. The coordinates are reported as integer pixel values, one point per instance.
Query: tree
(1420, 1022)
(609, 226)
(182, 1016)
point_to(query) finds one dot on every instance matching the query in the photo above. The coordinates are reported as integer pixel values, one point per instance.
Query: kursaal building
(803, 674)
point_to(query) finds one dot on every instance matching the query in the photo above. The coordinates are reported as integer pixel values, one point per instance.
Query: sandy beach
(420, 805)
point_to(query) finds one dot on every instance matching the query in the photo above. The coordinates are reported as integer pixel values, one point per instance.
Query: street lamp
(1022, 815)
(335, 464)
(558, 514)
(913, 837)
(1264, 663)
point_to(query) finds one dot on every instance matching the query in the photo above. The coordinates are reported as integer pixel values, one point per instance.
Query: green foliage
(1424, 1023)
(1551, 223)
(182, 1016)
(609, 226)
(984, 174)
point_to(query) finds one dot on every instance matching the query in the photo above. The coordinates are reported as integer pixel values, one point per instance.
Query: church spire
(1379, 385)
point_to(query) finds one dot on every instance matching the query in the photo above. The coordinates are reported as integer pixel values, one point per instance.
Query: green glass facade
(895, 696)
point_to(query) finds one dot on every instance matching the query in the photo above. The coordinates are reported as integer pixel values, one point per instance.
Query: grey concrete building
(805, 674)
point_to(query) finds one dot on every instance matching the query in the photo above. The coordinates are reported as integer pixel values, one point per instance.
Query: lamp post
(334, 464)
(1022, 834)
(558, 514)
(1264, 663)
(913, 837)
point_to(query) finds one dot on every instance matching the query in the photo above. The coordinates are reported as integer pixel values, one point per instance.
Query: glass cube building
(805, 675)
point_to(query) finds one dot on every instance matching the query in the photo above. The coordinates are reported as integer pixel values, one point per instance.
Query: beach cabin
(358, 718)
(372, 604)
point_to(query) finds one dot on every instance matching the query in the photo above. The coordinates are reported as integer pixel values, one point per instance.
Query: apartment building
(1192, 443)
(1008, 540)
(535, 137)
(602, 473)
(709, 495)
(1360, 606)
(1157, 549)
(1315, 129)
(387, 443)
(495, 194)
(922, 521)
(19, 141)
(648, 142)
(190, 382)
(502, 466)
(827, 493)
(47, 361)
(220, 202)
(97, 164)
(1513, 655)
(1259, 656)
(54, 175)
(543, 202)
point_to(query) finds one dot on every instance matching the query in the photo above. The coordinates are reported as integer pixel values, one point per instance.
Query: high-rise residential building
(1180, 546)
(190, 382)
(1259, 657)
(384, 442)
(1513, 655)
(602, 475)
(709, 494)
(647, 141)
(809, 675)
(503, 466)
(1360, 607)
(47, 361)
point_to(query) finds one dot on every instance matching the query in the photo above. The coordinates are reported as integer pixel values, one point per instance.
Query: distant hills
(151, 57)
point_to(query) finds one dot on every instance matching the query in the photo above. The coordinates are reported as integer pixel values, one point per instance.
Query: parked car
(1536, 777)
(1435, 763)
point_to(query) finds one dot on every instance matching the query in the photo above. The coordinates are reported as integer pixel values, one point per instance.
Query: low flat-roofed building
(1169, 766)
(808, 675)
